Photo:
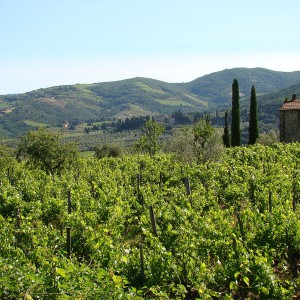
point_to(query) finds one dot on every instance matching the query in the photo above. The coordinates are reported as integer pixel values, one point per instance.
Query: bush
(196, 144)
(108, 151)
(269, 138)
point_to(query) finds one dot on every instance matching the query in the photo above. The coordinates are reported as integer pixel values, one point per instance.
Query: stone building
(289, 128)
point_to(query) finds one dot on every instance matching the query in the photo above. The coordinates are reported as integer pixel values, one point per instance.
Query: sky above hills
(57, 42)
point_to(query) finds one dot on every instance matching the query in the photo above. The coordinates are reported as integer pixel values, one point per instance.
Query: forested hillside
(75, 104)
(217, 86)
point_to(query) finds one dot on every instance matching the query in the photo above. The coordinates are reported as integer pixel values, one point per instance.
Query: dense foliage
(227, 230)
(43, 149)
(149, 141)
(108, 151)
(195, 144)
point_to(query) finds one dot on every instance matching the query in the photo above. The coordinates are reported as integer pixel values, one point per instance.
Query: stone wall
(289, 126)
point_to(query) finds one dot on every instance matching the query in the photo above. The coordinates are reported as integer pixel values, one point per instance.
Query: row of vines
(149, 228)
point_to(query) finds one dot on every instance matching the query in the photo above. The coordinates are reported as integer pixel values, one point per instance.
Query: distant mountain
(74, 104)
(269, 104)
(216, 87)
(93, 102)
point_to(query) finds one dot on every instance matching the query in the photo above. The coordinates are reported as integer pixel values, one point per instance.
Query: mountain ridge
(54, 106)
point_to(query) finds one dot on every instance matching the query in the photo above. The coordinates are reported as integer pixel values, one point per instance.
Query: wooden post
(270, 202)
(142, 165)
(18, 225)
(240, 226)
(153, 221)
(138, 182)
(187, 186)
(18, 218)
(139, 194)
(8, 175)
(291, 256)
(160, 180)
(295, 200)
(234, 246)
(93, 189)
(69, 241)
(142, 264)
(11, 173)
(69, 202)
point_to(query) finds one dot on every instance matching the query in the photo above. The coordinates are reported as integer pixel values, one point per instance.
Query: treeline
(176, 118)
(133, 123)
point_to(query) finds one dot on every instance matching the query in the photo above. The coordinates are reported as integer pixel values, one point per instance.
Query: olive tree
(108, 150)
(43, 149)
(198, 143)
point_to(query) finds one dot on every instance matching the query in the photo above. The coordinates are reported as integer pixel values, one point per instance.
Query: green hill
(269, 104)
(74, 104)
(93, 102)
(216, 87)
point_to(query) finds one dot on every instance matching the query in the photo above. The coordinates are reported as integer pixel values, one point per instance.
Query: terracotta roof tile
(295, 104)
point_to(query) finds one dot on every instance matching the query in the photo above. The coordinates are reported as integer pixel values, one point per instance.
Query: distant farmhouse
(289, 128)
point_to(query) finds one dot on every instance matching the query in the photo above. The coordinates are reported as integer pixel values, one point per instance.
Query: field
(150, 228)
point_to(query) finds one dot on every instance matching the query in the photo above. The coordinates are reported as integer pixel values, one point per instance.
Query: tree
(196, 144)
(268, 138)
(108, 151)
(226, 135)
(181, 144)
(253, 123)
(43, 149)
(203, 131)
(236, 119)
(149, 141)
(7, 159)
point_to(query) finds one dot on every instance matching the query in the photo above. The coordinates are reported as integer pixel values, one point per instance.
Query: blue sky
(56, 42)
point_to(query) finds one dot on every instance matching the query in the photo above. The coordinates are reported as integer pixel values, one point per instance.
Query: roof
(291, 105)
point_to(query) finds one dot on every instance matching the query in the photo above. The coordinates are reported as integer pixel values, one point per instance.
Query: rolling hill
(269, 104)
(217, 86)
(74, 104)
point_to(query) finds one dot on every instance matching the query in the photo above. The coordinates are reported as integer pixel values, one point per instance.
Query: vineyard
(138, 227)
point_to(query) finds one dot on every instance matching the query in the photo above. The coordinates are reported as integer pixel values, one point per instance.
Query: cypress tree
(253, 124)
(226, 135)
(236, 119)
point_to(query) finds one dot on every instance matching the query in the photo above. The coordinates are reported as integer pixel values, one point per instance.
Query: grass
(198, 101)
(173, 102)
(35, 124)
(148, 88)
(83, 88)
(80, 134)
(5, 105)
